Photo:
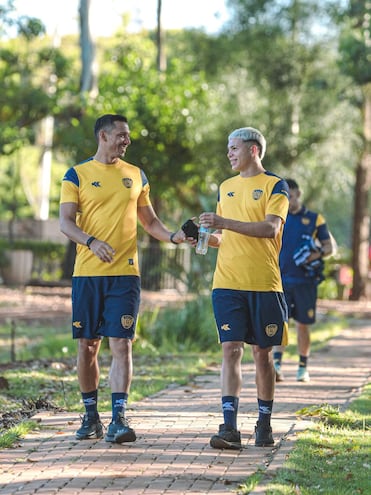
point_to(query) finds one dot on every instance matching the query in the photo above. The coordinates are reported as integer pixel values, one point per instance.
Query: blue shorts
(105, 306)
(257, 318)
(301, 302)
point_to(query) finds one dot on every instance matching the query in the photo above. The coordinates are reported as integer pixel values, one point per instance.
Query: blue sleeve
(71, 176)
(144, 178)
(323, 233)
(281, 187)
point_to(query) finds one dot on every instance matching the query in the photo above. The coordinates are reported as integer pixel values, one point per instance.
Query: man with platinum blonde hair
(247, 295)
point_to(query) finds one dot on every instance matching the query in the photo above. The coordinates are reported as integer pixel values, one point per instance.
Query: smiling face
(240, 154)
(117, 139)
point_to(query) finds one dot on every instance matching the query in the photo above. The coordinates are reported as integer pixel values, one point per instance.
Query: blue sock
(277, 357)
(265, 411)
(90, 401)
(119, 400)
(230, 410)
(303, 360)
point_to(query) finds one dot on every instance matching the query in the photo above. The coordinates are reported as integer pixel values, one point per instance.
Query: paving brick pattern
(172, 453)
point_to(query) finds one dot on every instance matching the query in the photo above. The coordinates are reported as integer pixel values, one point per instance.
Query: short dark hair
(107, 122)
(292, 184)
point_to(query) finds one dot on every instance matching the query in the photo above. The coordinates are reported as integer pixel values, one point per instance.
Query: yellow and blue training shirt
(107, 198)
(244, 262)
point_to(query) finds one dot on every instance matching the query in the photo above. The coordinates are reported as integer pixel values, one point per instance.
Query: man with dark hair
(248, 301)
(306, 240)
(101, 201)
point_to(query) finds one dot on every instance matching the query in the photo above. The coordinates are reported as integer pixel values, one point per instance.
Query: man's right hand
(102, 250)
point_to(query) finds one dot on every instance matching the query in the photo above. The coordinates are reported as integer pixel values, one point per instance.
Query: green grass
(333, 457)
(58, 383)
(33, 341)
(16, 433)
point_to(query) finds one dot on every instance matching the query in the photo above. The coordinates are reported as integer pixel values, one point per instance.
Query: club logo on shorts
(225, 327)
(77, 324)
(127, 321)
(257, 194)
(271, 329)
(311, 313)
(127, 182)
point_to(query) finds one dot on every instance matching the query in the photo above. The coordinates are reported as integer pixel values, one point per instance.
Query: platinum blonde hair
(250, 134)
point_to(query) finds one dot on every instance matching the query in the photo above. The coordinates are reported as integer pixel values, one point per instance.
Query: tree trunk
(361, 220)
(88, 83)
(161, 57)
(88, 80)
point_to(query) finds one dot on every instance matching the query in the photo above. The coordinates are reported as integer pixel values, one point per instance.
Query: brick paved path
(171, 454)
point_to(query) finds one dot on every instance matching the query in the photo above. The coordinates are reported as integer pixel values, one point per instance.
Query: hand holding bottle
(203, 240)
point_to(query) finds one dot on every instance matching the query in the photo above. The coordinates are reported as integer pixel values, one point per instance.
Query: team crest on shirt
(271, 329)
(127, 321)
(257, 194)
(305, 221)
(127, 182)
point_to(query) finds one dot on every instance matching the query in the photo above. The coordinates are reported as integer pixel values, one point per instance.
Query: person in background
(306, 240)
(101, 201)
(247, 295)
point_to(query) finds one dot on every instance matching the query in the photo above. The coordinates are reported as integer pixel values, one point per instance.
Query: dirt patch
(33, 303)
(53, 303)
(27, 409)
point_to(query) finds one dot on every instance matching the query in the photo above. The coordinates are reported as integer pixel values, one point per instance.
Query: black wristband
(172, 238)
(89, 241)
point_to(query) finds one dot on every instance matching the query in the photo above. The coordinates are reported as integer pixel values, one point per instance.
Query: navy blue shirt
(304, 222)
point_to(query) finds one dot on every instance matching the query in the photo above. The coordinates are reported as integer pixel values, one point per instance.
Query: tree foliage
(289, 49)
(275, 66)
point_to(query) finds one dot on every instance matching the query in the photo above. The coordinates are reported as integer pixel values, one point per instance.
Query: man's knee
(262, 356)
(233, 351)
(89, 346)
(119, 346)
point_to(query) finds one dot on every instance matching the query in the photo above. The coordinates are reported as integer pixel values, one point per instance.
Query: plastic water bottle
(203, 240)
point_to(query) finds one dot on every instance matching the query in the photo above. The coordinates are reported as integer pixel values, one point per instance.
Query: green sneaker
(91, 427)
(120, 431)
(302, 375)
(227, 438)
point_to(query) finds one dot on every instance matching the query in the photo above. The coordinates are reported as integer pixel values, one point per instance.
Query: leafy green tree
(296, 96)
(27, 62)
